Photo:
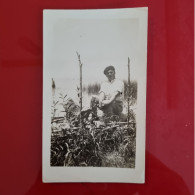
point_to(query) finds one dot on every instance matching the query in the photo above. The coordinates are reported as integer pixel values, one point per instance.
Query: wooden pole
(53, 84)
(128, 90)
(81, 95)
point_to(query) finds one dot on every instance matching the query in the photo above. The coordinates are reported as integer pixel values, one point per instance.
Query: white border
(92, 174)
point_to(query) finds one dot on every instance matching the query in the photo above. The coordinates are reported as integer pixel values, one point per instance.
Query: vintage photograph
(94, 93)
(93, 123)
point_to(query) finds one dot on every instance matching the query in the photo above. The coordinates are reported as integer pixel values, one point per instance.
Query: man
(111, 94)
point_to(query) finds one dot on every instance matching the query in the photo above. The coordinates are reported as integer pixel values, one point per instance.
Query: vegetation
(109, 145)
(92, 89)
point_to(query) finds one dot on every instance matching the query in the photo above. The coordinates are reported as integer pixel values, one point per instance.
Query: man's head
(110, 72)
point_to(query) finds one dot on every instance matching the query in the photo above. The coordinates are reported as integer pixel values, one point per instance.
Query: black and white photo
(94, 93)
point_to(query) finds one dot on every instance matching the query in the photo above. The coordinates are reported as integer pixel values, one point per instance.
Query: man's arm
(106, 102)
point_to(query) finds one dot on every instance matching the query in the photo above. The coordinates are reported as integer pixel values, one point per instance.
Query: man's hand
(105, 102)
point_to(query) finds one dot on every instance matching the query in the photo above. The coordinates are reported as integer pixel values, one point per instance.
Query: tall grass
(92, 89)
(133, 89)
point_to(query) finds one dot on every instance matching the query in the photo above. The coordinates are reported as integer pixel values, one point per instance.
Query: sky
(100, 43)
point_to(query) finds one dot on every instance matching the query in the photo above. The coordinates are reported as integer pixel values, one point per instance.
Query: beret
(109, 68)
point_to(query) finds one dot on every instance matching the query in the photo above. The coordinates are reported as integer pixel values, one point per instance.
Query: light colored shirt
(109, 88)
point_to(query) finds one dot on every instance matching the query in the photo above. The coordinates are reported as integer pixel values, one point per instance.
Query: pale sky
(100, 43)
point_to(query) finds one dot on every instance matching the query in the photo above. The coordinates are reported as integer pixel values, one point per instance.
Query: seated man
(111, 94)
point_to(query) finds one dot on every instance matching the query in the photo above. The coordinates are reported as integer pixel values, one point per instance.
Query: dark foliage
(92, 89)
(89, 145)
(133, 89)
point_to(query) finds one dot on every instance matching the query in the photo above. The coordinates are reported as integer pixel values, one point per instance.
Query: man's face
(110, 75)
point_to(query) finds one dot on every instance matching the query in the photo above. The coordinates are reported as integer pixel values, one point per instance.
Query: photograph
(94, 83)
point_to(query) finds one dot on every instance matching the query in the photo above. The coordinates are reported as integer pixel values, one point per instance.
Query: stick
(128, 89)
(80, 66)
(53, 84)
